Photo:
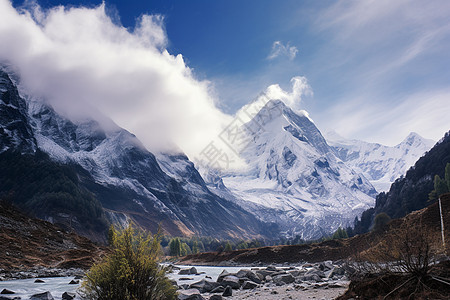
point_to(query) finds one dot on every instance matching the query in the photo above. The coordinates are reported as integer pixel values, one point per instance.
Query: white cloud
(278, 49)
(425, 113)
(81, 61)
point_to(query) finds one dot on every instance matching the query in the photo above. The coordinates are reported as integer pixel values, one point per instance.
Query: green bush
(131, 271)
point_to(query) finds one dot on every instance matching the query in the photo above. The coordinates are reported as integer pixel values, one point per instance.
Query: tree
(339, 234)
(130, 271)
(380, 221)
(111, 235)
(228, 247)
(440, 185)
(175, 247)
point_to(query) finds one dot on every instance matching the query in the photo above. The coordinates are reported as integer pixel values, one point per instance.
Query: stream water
(25, 288)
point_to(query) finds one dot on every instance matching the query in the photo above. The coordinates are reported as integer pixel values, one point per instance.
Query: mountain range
(382, 165)
(84, 176)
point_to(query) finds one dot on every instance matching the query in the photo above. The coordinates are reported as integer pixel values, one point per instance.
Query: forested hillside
(411, 192)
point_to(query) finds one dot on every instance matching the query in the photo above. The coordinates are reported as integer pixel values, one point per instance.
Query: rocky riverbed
(324, 280)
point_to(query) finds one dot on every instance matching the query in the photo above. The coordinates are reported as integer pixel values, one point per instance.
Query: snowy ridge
(381, 164)
(294, 178)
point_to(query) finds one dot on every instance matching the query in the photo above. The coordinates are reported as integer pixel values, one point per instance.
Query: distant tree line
(181, 246)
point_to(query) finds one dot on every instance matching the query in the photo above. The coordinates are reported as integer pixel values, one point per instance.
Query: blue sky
(377, 69)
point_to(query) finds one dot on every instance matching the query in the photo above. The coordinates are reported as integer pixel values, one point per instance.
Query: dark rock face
(15, 130)
(7, 292)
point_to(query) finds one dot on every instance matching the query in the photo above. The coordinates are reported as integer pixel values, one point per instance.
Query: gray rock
(311, 277)
(271, 268)
(222, 275)
(204, 286)
(78, 277)
(228, 291)
(245, 273)
(191, 294)
(216, 297)
(74, 282)
(248, 285)
(186, 278)
(7, 292)
(218, 289)
(317, 272)
(283, 279)
(7, 298)
(192, 270)
(42, 296)
(39, 281)
(264, 273)
(68, 296)
(184, 286)
(232, 281)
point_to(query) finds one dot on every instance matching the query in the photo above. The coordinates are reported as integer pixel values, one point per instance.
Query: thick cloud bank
(81, 61)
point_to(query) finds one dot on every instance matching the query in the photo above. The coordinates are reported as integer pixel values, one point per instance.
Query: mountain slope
(380, 164)
(293, 177)
(410, 193)
(126, 178)
(28, 244)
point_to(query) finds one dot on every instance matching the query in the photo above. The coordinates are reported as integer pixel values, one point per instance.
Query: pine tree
(440, 185)
(228, 247)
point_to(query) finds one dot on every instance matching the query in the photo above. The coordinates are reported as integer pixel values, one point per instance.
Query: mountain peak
(414, 139)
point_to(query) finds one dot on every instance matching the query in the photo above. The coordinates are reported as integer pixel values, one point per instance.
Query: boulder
(228, 291)
(191, 294)
(264, 273)
(326, 265)
(192, 270)
(74, 281)
(184, 286)
(222, 275)
(232, 281)
(218, 289)
(216, 297)
(317, 272)
(39, 281)
(271, 268)
(78, 277)
(7, 298)
(7, 292)
(249, 285)
(186, 278)
(68, 296)
(204, 286)
(295, 272)
(283, 279)
(42, 296)
(245, 273)
(311, 278)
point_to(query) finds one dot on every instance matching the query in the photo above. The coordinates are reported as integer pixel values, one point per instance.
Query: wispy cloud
(81, 61)
(280, 50)
(388, 61)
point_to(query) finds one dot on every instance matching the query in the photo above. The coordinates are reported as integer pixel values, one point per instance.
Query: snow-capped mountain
(129, 181)
(382, 165)
(293, 176)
